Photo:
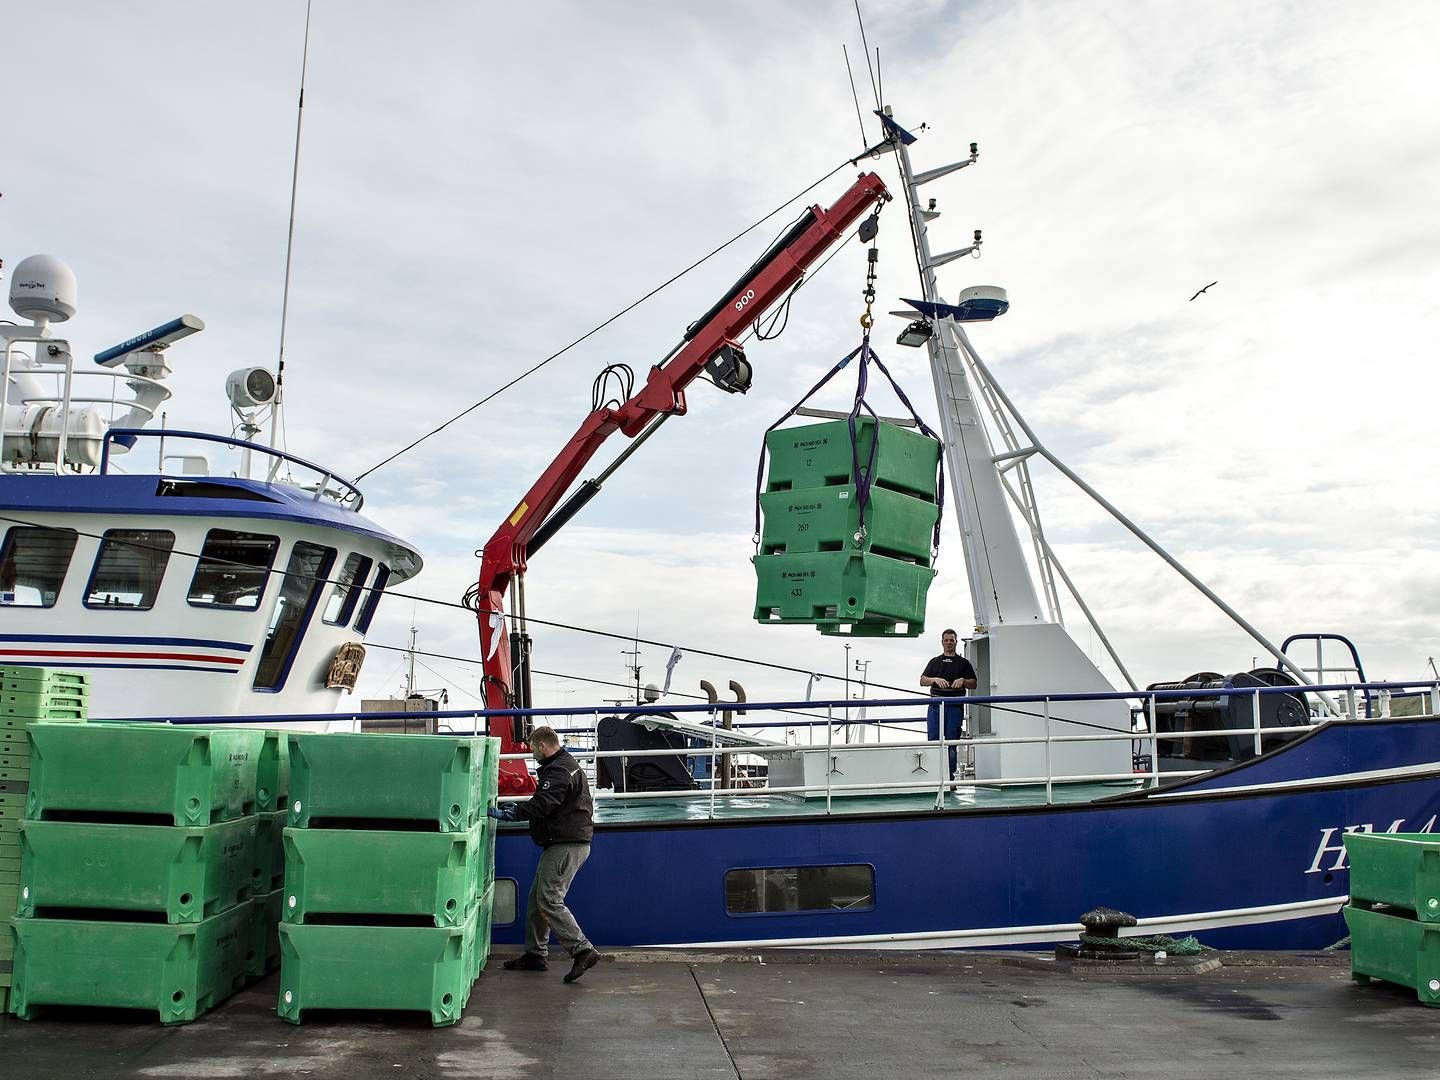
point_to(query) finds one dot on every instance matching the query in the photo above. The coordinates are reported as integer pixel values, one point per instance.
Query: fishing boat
(1216, 804)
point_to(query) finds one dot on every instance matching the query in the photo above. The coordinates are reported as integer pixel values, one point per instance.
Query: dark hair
(944, 632)
(544, 734)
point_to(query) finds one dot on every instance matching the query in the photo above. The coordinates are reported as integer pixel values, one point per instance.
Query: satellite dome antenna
(42, 290)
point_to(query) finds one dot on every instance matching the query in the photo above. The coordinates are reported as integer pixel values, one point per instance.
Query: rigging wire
(596, 329)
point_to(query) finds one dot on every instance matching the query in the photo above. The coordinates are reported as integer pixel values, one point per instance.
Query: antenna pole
(290, 235)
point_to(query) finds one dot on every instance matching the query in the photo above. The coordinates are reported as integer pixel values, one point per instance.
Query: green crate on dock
(186, 874)
(12, 806)
(833, 588)
(270, 851)
(354, 872)
(19, 716)
(415, 968)
(431, 779)
(264, 951)
(14, 745)
(193, 776)
(30, 679)
(1401, 869)
(15, 786)
(179, 971)
(820, 455)
(828, 519)
(484, 921)
(1390, 946)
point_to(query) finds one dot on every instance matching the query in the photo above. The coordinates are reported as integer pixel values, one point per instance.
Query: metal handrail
(348, 489)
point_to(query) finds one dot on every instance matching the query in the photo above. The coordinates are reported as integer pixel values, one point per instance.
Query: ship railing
(319, 482)
(836, 716)
(72, 389)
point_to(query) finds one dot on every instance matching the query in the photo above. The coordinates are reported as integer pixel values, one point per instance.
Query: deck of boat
(967, 796)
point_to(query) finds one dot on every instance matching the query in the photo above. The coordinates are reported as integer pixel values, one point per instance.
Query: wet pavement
(794, 1015)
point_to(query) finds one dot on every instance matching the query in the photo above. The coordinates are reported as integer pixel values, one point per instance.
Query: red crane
(710, 345)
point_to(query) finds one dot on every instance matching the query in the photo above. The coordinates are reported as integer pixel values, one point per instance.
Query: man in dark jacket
(948, 675)
(561, 817)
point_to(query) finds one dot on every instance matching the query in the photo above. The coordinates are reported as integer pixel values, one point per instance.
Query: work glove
(502, 813)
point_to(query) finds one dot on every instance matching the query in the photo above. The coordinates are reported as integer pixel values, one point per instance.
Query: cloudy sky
(481, 183)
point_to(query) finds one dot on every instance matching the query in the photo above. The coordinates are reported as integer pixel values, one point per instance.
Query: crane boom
(713, 337)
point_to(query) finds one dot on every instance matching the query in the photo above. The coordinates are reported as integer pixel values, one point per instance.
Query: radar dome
(42, 288)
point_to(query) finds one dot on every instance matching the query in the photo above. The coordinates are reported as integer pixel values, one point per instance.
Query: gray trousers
(546, 909)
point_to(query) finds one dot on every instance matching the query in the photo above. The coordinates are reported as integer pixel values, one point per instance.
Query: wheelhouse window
(372, 599)
(770, 890)
(345, 593)
(33, 561)
(233, 569)
(299, 590)
(129, 569)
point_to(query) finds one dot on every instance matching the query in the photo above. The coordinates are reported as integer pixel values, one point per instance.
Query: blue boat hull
(1249, 857)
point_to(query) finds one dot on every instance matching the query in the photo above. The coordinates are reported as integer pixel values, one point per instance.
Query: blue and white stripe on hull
(124, 652)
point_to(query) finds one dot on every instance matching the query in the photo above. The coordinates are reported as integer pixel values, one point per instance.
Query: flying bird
(1206, 289)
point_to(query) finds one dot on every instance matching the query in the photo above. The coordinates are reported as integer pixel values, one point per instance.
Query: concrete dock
(795, 1015)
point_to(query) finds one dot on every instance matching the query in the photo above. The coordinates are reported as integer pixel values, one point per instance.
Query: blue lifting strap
(861, 476)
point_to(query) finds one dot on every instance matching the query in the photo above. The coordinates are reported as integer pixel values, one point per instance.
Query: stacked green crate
(137, 881)
(387, 854)
(815, 565)
(1394, 910)
(270, 864)
(26, 695)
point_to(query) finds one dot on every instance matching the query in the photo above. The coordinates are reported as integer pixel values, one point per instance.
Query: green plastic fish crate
(415, 968)
(1399, 950)
(484, 922)
(820, 455)
(833, 588)
(430, 781)
(354, 872)
(828, 519)
(264, 952)
(30, 679)
(178, 971)
(1402, 869)
(186, 874)
(12, 807)
(17, 786)
(14, 745)
(192, 776)
(14, 715)
(270, 851)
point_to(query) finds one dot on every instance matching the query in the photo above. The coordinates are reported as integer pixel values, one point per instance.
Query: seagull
(1206, 289)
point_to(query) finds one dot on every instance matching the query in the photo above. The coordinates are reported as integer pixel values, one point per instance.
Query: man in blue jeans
(948, 676)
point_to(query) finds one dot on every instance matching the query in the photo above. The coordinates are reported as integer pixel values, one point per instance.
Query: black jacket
(560, 811)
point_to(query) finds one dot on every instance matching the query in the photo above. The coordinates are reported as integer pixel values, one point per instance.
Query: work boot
(528, 961)
(584, 961)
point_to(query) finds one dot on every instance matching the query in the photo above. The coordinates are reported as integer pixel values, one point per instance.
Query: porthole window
(129, 569)
(773, 890)
(233, 569)
(506, 908)
(344, 594)
(33, 562)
